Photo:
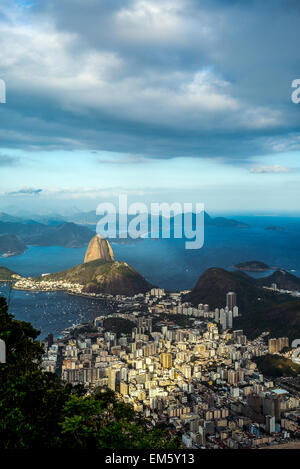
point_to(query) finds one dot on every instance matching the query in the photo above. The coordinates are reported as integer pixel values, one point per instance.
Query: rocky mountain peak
(99, 248)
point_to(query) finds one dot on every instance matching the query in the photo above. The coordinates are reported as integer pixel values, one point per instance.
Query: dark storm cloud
(156, 78)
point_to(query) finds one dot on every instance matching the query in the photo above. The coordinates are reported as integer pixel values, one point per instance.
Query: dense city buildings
(276, 345)
(183, 366)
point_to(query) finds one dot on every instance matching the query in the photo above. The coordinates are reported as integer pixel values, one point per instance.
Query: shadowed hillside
(99, 276)
(260, 309)
(283, 280)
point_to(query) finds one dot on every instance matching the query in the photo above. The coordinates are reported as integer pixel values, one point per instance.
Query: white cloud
(41, 61)
(151, 19)
(158, 72)
(270, 169)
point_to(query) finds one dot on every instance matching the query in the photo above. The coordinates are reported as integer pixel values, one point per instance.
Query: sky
(162, 100)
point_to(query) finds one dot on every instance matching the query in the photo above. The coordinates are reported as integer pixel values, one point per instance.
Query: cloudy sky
(164, 100)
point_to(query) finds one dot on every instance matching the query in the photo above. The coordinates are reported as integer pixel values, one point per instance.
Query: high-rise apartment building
(276, 345)
(166, 360)
(111, 374)
(270, 424)
(231, 300)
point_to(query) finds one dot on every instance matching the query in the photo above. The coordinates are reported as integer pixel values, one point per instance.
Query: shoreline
(54, 290)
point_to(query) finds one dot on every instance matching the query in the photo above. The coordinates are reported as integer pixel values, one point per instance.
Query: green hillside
(283, 279)
(260, 309)
(118, 325)
(6, 274)
(281, 319)
(115, 278)
(214, 283)
(275, 366)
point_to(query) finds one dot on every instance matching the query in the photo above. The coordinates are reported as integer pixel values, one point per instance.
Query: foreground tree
(37, 410)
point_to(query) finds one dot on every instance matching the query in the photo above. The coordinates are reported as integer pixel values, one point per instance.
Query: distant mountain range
(11, 245)
(29, 217)
(91, 218)
(37, 234)
(79, 228)
(5, 217)
(224, 222)
(67, 235)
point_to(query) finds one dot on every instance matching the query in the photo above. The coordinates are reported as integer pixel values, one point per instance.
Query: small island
(252, 266)
(275, 228)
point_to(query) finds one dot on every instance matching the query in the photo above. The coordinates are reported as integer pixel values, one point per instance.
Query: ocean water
(164, 262)
(167, 263)
(52, 312)
(40, 260)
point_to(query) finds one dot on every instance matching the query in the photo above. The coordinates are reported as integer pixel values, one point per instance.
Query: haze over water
(163, 262)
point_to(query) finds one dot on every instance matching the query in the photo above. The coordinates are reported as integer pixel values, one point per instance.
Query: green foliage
(25, 352)
(6, 274)
(116, 278)
(179, 319)
(118, 325)
(30, 406)
(281, 319)
(276, 366)
(103, 422)
(37, 410)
